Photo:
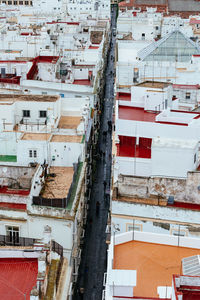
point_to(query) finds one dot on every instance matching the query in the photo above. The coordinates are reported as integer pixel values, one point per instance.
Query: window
(195, 158)
(33, 153)
(179, 232)
(43, 113)
(26, 113)
(157, 27)
(143, 36)
(30, 153)
(26, 3)
(135, 75)
(21, 3)
(187, 96)
(135, 227)
(12, 235)
(15, 2)
(44, 93)
(9, 2)
(166, 103)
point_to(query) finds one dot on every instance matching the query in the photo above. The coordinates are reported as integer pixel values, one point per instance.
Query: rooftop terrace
(58, 185)
(36, 136)
(16, 180)
(68, 122)
(173, 117)
(66, 138)
(37, 98)
(154, 84)
(155, 264)
(136, 114)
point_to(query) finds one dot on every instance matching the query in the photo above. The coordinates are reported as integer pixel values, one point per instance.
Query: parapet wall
(183, 190)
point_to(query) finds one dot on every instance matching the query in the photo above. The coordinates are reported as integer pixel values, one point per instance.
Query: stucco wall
(183, 190)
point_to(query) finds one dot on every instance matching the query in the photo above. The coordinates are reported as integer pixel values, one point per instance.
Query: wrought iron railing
(6, 240)
(61, 202)
(57, 248)
(52, 202)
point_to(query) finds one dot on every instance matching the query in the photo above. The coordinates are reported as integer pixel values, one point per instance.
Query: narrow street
(94, 253)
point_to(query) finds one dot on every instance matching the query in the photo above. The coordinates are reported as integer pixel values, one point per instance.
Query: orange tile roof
(155, 264)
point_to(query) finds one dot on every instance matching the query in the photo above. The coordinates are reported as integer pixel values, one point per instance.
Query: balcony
(7, 240)
(26, 125)
(10, 78)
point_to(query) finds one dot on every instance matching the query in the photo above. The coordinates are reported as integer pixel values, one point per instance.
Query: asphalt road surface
(94, 254)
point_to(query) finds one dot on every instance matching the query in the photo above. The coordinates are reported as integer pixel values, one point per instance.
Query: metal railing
(6, 240)
(55, 247)
(52, 202)
(61, 202)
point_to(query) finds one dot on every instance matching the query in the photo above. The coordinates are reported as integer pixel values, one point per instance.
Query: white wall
(151, 98)
(145, 218)
(33, 227)
(173, 161)
(151, 130)
(52, 108)
(8, 142)
(132, 166)
(65, 153)
(157, 239)
(80, 73)
(23, 147)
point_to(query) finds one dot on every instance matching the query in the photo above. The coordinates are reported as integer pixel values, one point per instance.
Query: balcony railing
(25, 121)
(51, 202)
(57, 248)
(6, 240)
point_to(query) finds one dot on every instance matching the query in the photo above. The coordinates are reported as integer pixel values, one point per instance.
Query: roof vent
(191, 266)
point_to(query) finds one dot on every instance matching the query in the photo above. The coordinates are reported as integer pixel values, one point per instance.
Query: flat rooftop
(155, 264)
(17, 274)
(174, 117)
(15, 179)
(58, 186)
(136, 114)
(150, 2)
(184, 5)
(66, 138)
(68, 122)
(154, 84)
(36, 136)
(36, 98)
